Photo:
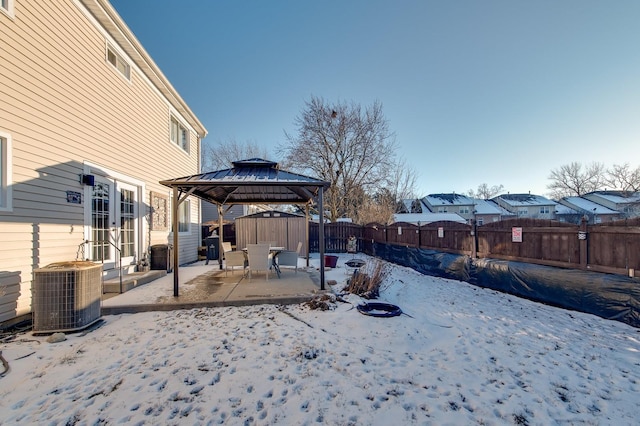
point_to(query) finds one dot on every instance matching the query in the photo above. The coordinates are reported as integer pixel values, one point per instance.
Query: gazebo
(252, 181)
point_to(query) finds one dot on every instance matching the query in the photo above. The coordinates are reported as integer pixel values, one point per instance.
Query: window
(464, 209)
(179, 134)
(6, 6)
(523, 212)
(120, 64)
(184, 215)
(5, 171)
(544, 210)
(442, 210)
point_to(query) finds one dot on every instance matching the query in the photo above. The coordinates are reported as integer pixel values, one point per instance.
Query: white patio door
(127, 219)
(114, 229)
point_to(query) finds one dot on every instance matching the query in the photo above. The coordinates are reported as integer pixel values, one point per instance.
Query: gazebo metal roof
(252, 181)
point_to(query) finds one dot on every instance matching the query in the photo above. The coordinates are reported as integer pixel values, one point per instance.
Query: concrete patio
(207, 286)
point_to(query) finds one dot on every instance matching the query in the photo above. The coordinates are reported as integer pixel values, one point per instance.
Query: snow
(458, 355)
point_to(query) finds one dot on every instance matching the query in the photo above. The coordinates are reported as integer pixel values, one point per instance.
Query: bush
(366, 282)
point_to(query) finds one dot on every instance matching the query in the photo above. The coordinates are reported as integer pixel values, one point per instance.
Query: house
(469, 208)
(596, 213)
(89, 125)
(451, 203)
(487, 211)
(527, 205)
(567, 214)
(627, 203)
(413, 205)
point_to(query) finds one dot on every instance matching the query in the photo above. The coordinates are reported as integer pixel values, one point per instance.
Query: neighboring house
(627, 203)
(425, 218)
(412, 206)
(487, 212)
(568, 215)
(452, 203)
(89, 125)
(596, 213)
(527, 205)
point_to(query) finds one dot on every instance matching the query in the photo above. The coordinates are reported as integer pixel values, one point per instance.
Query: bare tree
(574, 180)
(623, 177)
(345, 145)
(221, 155)
(485, 192)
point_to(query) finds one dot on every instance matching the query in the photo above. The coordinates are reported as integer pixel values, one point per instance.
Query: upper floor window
(119, 63)
(523, 212)
(544, 210)
(442, 210)
(5, 172)
(464, 209)
(179, 134)
(6, 6)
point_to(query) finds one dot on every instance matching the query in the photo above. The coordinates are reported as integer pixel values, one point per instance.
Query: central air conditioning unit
(66, 296)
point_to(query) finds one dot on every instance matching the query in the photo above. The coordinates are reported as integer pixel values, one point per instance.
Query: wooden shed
(281, 228)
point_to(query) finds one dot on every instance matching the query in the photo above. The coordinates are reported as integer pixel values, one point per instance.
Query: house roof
(252, 181)
(564, 209)
(521, 200)
(448, 200)
(618, 197)
(587, 205)
(487, 207)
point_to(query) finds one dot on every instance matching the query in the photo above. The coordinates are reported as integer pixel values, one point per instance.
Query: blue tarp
(608, 296)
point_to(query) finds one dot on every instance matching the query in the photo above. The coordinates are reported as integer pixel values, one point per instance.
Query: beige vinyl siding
(65, 105)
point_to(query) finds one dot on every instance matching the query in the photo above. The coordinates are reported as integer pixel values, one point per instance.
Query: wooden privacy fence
(613, 247)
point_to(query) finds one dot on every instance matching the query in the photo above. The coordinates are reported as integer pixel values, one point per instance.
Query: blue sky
(496, 92)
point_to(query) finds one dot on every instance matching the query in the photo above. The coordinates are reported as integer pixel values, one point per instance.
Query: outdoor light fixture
(89, 180)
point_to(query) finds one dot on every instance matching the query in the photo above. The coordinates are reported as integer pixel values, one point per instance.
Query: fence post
(474, 234)
(583, 237)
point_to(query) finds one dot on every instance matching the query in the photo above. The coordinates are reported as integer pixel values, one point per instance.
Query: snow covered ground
(460, 355)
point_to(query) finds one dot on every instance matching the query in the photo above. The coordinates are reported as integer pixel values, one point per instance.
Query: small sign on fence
(516, 235)
(440, 232)
(582, 235)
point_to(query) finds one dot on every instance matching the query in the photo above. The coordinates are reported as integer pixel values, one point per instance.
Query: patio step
(131, 280)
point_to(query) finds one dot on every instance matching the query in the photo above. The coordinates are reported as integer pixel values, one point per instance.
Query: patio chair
(232, 259)
(226, 246)
(259, 258)
(288, 258)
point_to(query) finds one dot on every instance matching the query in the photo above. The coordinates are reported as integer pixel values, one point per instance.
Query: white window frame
(464, 209)
(184, 217)
(119, 62)
(6, 190)
(545, 210)
(523, 211)
(6, 7)
(179, 134)
(442, 210)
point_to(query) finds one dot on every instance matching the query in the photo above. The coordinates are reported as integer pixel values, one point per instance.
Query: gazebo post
(220, 234)
(306, 231)
(321, 236)
(174, 226)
